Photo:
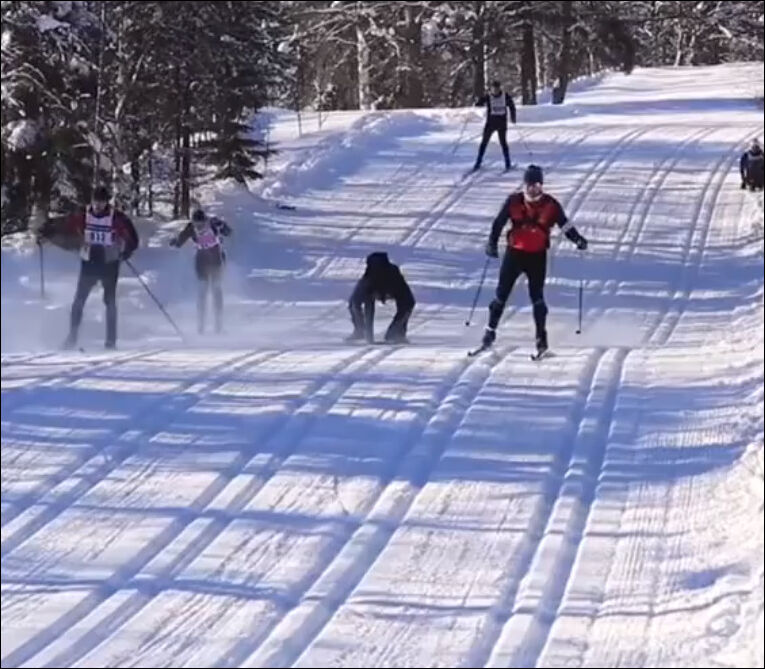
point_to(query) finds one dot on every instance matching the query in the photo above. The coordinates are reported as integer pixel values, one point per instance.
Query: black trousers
(209, 275)
(534, 266)
(500, 127)
(755, 177)
(362, 307)
(91, 274)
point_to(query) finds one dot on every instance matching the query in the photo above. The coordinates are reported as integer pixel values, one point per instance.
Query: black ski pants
(534, 266)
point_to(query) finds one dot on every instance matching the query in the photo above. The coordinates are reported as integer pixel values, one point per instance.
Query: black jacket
(507, 103)
(384, 280)
(751, 164)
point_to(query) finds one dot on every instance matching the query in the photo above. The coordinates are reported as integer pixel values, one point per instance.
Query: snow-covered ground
(277, 498)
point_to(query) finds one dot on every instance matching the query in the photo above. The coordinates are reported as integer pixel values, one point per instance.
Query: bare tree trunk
(299, 89)
(186, 172)
(690, 54)
(412, 93)
(678, 46)
(528, 66)
(364, 64)
(135, 175)
(563, 61)
(97, 113)
(542, 77)
(177, 173)
(478, 50)
(151, 181)
(117, 149)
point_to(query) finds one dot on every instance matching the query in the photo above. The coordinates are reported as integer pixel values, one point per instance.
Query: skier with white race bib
(497, 103)
(207, 232)
(105, 237)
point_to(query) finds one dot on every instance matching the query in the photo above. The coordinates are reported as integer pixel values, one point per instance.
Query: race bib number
(99, 236)
(207, 239)
(498, 105)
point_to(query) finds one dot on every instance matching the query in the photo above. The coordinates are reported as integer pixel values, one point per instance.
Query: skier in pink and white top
(207, 232)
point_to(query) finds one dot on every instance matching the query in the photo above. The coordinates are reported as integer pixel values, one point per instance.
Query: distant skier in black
(381, 280)
(497, 103)
(752, 167)
(207, 232)
(531, 213)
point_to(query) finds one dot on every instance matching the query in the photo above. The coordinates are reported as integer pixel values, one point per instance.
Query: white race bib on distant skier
(497, 104)
(207, 239)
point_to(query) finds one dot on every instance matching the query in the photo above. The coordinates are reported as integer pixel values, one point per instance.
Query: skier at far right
(531, 213)
(751, 167)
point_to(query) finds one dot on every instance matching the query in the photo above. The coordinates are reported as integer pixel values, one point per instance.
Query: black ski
(541, 355)
(477, 351)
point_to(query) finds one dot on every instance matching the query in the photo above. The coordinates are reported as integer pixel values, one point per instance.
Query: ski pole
(478, 292)
(581, 300)
(157, 302)
(526, 146)
(462, 132)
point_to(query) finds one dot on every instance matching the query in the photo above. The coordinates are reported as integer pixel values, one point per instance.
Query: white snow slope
(277, 498)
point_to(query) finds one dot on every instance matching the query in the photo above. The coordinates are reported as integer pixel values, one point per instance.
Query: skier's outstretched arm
(182, 237)
(500, 220)
(131, 243)
(66, 233)
(568, 229)
(511, 106)
(221, 227)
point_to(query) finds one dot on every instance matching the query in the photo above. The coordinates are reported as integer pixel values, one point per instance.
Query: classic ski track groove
(70, 651)
(33, 496)
(428, 222)
(19, 395)
(98, 465)
(540, 591)
(693, 253)
(538, 525)
(628, 243)
(320, 602)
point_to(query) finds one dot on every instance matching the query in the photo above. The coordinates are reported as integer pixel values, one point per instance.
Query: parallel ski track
(521, 620)
(99, 465)
(696, 240)
(428, 222)
(9, 407)
(92, 627)
(639, 213)
(295, 632)
(529, 612)
(316, 614)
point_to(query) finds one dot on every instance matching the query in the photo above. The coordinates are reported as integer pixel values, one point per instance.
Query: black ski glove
(491, 249)
(581, 243)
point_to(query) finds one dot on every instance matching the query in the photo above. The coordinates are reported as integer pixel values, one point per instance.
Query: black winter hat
(533, 175)
(101, 194)
(198, 215)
